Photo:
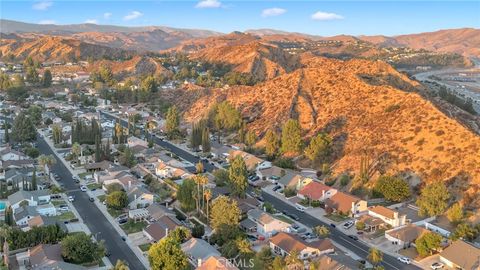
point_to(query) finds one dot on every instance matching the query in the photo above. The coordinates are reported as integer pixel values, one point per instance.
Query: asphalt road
(92, 216)
(357, 247)
(170, 147)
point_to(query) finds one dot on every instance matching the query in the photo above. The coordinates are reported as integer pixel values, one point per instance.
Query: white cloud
(46, 22)
(325, 16)
(91, 21)
(132, 15)
(42, 5)
(209, 4)
(269, 12)
(107, 15)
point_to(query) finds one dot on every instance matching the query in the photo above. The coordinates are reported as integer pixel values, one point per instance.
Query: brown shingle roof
(382, 210)
(463, 255)
(290, 242)
(408, 233)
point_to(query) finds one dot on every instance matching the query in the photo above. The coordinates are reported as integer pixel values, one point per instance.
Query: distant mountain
(464, 41)
(9, 26)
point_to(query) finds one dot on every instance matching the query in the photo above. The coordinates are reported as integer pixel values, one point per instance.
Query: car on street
(437, 265)
(294, 217)
(347, 225)
(276, 188)
(404, 260)
(83, 188)
(71, 198)
(354, 237)
(300, 208)
(91, 199)
(333, 225)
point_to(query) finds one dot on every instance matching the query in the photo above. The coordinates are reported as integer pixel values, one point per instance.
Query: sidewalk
(103, 209)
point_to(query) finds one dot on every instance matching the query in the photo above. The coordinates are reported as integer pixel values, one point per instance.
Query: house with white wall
(389, 216)
(31, 198)
(284, 244)
(267, 225)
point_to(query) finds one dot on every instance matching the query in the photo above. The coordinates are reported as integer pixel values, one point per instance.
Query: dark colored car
(91, 199)
(333, 225)
(354, 237)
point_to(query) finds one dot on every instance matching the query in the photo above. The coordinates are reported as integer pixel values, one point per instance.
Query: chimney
(135, 197)
(166, 231)
(31, 198)
(323, 194)
(395, 214)
(129, 184)
(199, 262)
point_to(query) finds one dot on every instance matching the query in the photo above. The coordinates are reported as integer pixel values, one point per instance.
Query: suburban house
(99, 166)
(284, 243)
(266, 224)
(389, 216)
(32, 198)
(43, 256)
(316, 191)
(156, 211)
(251, 161)
(160, 228)
(10, 154)
(293, 180)
(198, 251)
(134, 141)
(139, 197)
(270, 173)
(163, 170)
(440, 225)
(38, 221)
(347, 204)
(406, 235)
(337, 261)
(461, 255)
(216, 263)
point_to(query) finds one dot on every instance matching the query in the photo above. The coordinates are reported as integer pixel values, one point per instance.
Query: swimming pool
(2, 206)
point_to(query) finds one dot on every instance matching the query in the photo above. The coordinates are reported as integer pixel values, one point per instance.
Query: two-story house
(266, 224)
(284, 244)
(346, 204)
(316, 191)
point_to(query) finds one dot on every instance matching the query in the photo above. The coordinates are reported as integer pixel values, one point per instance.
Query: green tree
(263, 259)
(172, 121)
(117, 200)
(224, 212)
(320, 148)
(127, 158)
(238, 177)
(278, 263)
(46, 161)
(322, 231)
(206, 147)
(465, 231)
(79, 248)
(149, 84)
(7, 135)
(47, 78)
(292, 137)
(184, 195)
(180, 234)
(198, 231)
(9, 216)
(76, 150)
(455, 213)
(393, 188)
(272, 144)
(23, 129)
(293, 260)
(167, 255)
(360, 225)
(57, 134)
(120, 265)
(250, 139)
(31, 75)
(35, 114)
(375, 256)
(433, 199)
(221, 177)
(34, 179)
(428, 243)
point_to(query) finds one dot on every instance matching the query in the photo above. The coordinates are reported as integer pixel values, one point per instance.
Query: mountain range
(464, 41)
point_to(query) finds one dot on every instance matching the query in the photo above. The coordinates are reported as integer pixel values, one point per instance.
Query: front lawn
(82, 175)
(114, 212)
(57, 202)
(101, 198)
(66, 216)
(145, 247)
(94, 186)
(285, 219)
(133, 227)
(336, 217)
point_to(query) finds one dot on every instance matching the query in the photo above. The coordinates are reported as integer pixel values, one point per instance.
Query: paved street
(357, 247)
(92, 216)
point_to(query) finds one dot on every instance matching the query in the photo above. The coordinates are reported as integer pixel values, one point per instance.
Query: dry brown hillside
(54, 48)
(368, 106)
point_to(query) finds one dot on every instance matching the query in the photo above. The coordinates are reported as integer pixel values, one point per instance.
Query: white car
(437, 265)
(347, 225)
(404, 260)
(71, 199)
(83, 188)
(63, 208)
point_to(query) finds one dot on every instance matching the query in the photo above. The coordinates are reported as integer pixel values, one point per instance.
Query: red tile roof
(314, 190)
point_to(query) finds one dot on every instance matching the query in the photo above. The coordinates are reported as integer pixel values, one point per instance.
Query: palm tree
(293, 261)
(208, 196)
(201, 180)
(322, 231)
(375, 256)
(244, 248)
(76, 150)
(46, 161)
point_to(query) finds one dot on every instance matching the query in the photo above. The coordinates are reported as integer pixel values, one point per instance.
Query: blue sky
(324, 18)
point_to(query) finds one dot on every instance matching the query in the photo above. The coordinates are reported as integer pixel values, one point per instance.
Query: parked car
(300, 208)
(333, 225)
(354, 237)
(71, 198)
(437, 265)
(294, 217)
(83, 188)
(276, 188)
(404, 260)
(91, 199)
(347, 225)
(63, 208)
(55, 196)
(252, 237)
